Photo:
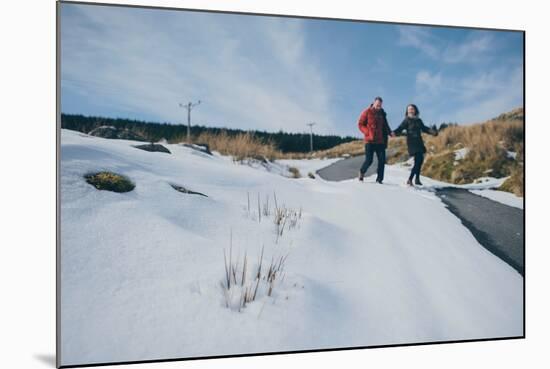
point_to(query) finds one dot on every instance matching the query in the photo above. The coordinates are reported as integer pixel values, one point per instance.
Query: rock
(152, 147)
(199, 147)
(185, 190)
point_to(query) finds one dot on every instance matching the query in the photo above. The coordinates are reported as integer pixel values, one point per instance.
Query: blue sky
(272, 73)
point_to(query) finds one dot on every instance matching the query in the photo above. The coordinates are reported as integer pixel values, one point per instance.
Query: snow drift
(367, 264)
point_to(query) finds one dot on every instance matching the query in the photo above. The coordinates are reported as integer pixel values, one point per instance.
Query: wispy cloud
(472, 98)
(484, 95)
(252, 73)
(428, 82)
(473, 49)
(419, 38)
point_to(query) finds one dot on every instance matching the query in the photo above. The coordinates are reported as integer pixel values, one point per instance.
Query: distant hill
(153, 131)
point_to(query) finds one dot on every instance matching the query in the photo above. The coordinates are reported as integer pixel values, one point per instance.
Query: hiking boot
(361, 176)
(417, 182)
(410, 182)
(379, 181)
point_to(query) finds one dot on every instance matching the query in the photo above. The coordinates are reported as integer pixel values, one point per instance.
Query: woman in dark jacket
(415, 145)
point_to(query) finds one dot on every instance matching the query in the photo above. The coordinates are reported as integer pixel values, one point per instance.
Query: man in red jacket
(375, 128)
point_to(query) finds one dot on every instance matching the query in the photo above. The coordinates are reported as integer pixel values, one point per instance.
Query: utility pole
(311, 135)
(189, 106)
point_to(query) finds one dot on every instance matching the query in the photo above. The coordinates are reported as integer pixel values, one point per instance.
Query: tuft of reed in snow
(284, 218)
(243, 284)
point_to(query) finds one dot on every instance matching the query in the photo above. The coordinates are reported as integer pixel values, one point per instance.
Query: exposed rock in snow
(153, 147)
(199, 147)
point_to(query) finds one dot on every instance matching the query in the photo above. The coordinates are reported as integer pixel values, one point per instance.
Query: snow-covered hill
(367, 264)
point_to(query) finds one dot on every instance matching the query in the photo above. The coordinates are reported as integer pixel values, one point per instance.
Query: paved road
(346, 169)
(498, 227)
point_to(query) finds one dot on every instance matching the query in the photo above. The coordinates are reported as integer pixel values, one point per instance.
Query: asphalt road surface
(346, 169)
(498, 227)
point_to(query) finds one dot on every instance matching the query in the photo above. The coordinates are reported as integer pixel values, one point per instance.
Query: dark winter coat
(374, 125)
(414, 128)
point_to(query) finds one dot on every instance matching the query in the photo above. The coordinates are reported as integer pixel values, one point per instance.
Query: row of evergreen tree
(153, 131)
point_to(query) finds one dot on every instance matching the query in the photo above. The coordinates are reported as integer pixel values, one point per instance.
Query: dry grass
(484, 139)
(109, 181)
(242, 285)
(294, 172)
(440, 166)
(488, 145)
(245, 145)
(514, 184)
(241, 146)
(284, 217)
(487, 140)
(397, 150)
(352, 148)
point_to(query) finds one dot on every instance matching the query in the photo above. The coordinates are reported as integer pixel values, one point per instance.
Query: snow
(268, 166)
(482, 183)
(461, 153)
(306, 166)
(511, 154)
(367, 264)
(503, 197)
(483, 186)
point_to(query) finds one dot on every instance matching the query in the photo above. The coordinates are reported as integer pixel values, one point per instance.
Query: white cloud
(428, 82)
(490, 94)
(473, 49)
(252, 75)
(474, 98)
(420, 38)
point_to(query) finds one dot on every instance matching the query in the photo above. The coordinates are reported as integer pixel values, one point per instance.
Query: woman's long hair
(416, 111)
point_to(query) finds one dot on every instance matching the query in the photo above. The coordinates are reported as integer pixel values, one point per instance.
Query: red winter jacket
(374, 125)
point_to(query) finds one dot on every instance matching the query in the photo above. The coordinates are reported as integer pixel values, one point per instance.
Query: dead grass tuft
(243, 284)
(241, 146)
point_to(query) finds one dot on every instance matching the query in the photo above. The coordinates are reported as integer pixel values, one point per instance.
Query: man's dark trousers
(380, 150)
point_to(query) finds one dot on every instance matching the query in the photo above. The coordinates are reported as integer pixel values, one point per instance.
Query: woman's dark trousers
(380, 150)
(418, 160)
